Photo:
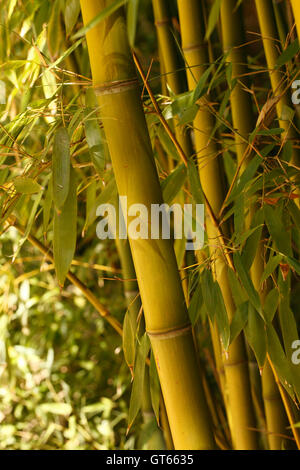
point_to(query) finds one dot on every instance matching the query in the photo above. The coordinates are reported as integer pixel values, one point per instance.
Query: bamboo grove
(162, 101)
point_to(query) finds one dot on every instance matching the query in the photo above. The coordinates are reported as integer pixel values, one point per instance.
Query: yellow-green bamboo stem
(280, 21)
(236, 367)
(277, 422)
(240, 99)
(271, 45)
(243, 122)
(166, 316)
(171, 63)
(296, 11)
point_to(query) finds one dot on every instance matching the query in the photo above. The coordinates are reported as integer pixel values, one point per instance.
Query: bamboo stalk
(296, 11)
(234, 43)
(271, 45)
(171, 64)
(161, 292)
(238, 390)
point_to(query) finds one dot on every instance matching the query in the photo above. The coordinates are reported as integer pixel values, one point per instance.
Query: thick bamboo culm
(166, 316)
(169, 54)
(296, 11)
(271, 44)
(244, 123)
(238, 390)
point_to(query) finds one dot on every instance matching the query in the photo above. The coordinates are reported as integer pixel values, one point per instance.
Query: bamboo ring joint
(116, 86)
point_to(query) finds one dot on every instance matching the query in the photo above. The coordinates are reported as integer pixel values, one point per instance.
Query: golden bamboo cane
(166, 316)
(296, 11)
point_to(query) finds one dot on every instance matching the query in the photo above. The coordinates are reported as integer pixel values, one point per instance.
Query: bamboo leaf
(288, 53)
(215, 306)
(270, 267)
(26, 185)
(61, 167)
(271, 304)
(132, 15)
(154, 387)
(199, 90)
(138, 381)
(247, 283)
(279, 359)
(47, 206)
(256, 335)
(95, 139)
(54, 28)
(65, 232)
(239, 320)
(129, 340)
(173, 183)
(213, 18)
(72, 10)
(238, 294)
(195, 304)
(90, 213)
(277, 229)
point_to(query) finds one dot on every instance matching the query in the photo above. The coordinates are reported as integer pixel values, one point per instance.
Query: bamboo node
(117, 86)
(195, 47)
(170, 333)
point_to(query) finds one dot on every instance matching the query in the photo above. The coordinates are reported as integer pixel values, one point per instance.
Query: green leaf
(247, 283)
(47, 206)
(270, 267)
(253, 237)
(215, 306)
(61, 167)
(270, 132)
(54, 28)
(129, 339)
(279, 359)
(294, 264)
(199, 89)
(288, 53)
(256, 335)
(195, 304)
(138, 381)
(271, 304)
(277, 229)
(173, 183)
(26, 185)
(154, 387)
(107, 11)
(213, 18)
(65, 232)
(90, 213)
(72, 10)
(132, 16)
(238, 293)
(96, 141)
(239, 320)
